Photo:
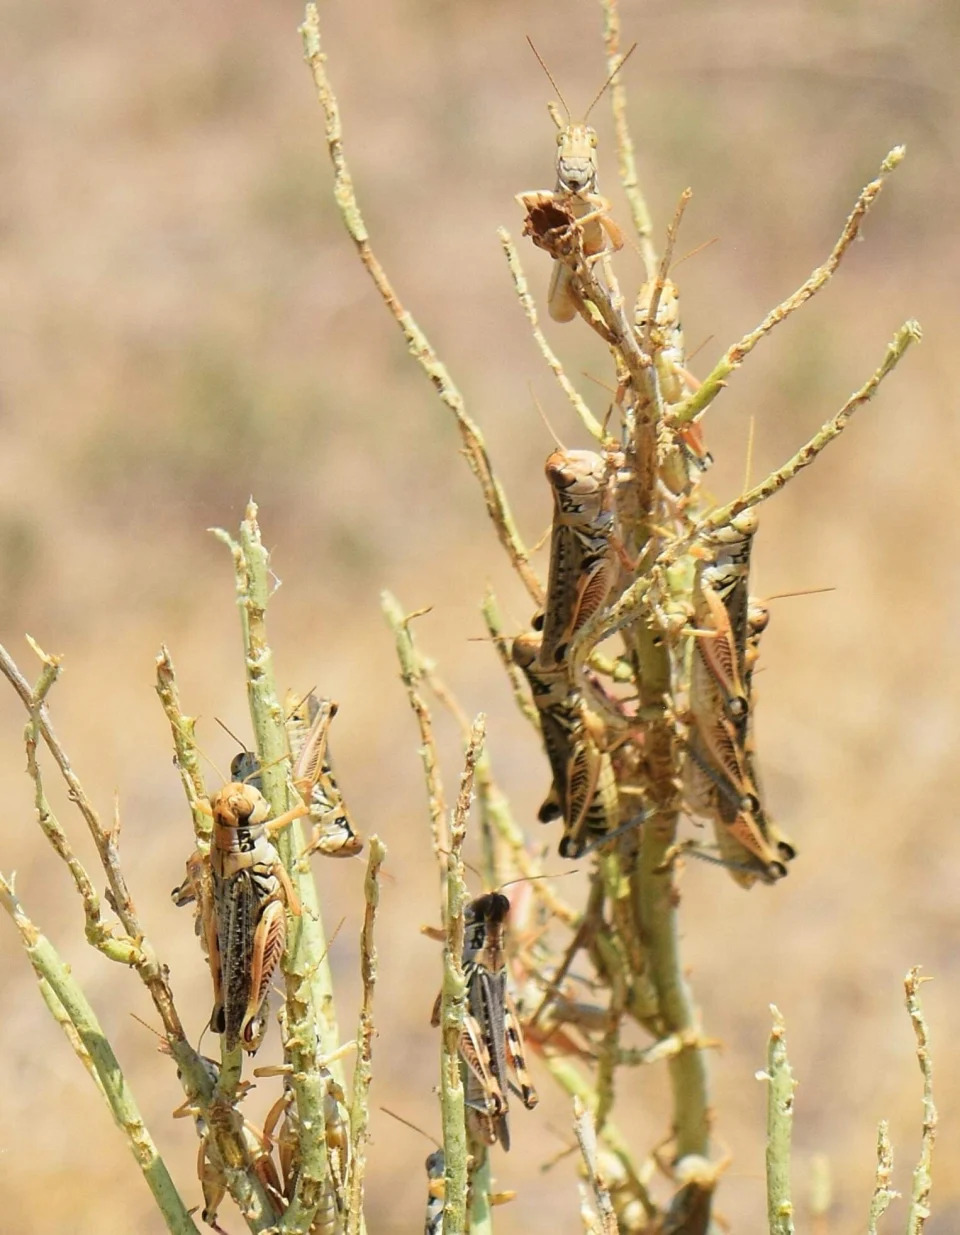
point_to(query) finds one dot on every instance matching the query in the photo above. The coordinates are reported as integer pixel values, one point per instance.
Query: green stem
(310, 1013)
(779, 1077)
(54, 976)
(360, 1103)
(452, 1009)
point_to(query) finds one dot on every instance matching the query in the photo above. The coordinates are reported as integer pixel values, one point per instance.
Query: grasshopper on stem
(576, 195)
(282, 1128)
(721, 777)
(308, 723)
(584, 790)
(213, 1180)
(667, 347)
(492, 1036)
(583, 554)
(242, 893)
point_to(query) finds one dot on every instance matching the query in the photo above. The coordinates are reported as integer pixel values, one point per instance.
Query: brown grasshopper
(242, 892)
(584, 790)
(329, 1216)
(583, 548)
(577, 198)
(491, 1036)
(213, 1182)
(308, 723)
(749, 618)
(720, 775)
(717, 775)
(307, 720)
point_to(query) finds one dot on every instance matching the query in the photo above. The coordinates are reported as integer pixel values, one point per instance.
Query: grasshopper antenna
(202, 752)
(600, 92)
(543, 417)
(749, 463)
(230, 733)
(563, 101)
(533, 878)
(697, 249)
(400, 1119)
(810, 591)
(300, 702)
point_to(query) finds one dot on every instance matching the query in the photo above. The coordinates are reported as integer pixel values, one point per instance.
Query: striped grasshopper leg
(485, 1101)
(732, 546)
(758, 616)
(308, 722)
(584, 789)
(251, 894)
(583, 557)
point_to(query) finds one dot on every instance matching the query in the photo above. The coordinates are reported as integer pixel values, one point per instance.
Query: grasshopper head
(239, 806)
(577, 159)
(525, 650)
(492, 907)
(578, 473)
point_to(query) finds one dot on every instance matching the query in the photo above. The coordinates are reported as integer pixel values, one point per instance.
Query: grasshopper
(433, 1222)
(308, 722)
(576, 196)
(666, 337)
(749, 618)
(213, 1182)
(666, 344)
(721, 777)
(583, 554)
(491, 1030)
(584, 790)
(718, 779)
(330, 1215)
(242, 892)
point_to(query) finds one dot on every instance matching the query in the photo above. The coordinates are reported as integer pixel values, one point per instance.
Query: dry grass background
(184, 323)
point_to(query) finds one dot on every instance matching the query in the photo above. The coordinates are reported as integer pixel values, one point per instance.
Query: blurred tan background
(184, 323)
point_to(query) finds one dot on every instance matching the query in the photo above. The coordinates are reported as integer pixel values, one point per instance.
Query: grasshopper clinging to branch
(282, 1128)
(308, 724)
(720, 775)
(307, 720)
(583, 546)
(242, 893)
(576, 195)
(492, 1036)
(584, 789)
